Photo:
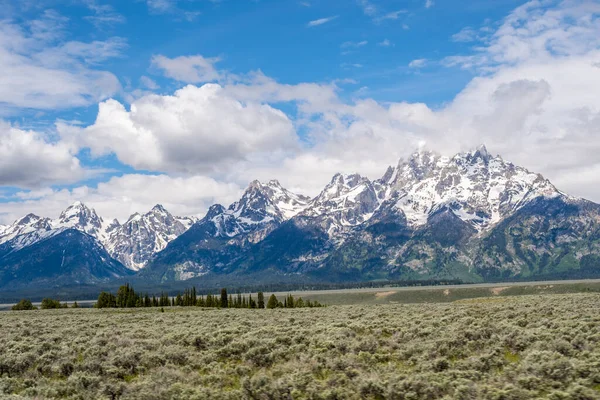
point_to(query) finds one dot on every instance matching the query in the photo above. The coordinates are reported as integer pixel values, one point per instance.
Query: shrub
(24, 304)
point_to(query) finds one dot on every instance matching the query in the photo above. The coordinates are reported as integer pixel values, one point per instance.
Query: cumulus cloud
(28, 159)
(122, 196)
(40, 69)
(198, 129)
(418, 63)
(188, 69)
(520, 104)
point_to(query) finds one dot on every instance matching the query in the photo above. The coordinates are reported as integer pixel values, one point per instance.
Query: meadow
(499, 347)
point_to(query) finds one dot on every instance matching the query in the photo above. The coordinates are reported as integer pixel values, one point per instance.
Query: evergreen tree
(24, 304)
(123, 295)
(261, 300)
(273, 302)
(50, 304)
(75, 305)
(106, 300)
(224, 298)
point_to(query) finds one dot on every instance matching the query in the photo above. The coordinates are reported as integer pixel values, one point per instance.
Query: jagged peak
(274, 182)
(159, 208)
(28, 219)
(136, 216)
(480, 152)
(255, 184)
(77, 208)
(351, 180)
(214, 210)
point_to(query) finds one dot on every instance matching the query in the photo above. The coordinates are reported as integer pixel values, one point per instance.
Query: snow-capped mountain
(143, 235)
(132, 243)
(261, 204)
(346, 201)
(82, 218)
(477, 187)
(428, 216)
(26, 225)
(470, 216)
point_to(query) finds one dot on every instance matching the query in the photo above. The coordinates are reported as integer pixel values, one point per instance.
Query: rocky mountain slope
(120, 248)
(472, 217)
(428, 217)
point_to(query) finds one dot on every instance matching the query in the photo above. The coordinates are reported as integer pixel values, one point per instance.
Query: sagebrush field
(529, 347)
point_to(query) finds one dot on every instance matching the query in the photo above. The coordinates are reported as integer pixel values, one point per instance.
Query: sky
(126, 104)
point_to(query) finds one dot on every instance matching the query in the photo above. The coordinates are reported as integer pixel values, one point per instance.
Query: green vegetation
(526, 347)
(395, 295)
(24, 304)
(49, 304)
(127, 298)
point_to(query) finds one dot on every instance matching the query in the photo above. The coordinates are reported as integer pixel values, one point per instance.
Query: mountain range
(472, 217)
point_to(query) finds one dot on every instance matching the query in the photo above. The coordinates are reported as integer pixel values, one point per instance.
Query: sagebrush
(545, 347)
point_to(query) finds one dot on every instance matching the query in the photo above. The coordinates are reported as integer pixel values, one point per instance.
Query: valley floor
(525, 347)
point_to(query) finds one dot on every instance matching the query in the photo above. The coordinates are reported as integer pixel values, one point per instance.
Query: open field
(418, 294)
(526, 347)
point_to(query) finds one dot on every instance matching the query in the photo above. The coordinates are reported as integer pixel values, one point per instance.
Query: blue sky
(303, 89)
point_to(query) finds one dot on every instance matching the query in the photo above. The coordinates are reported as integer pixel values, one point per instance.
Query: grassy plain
(499, 347)
(442, 294)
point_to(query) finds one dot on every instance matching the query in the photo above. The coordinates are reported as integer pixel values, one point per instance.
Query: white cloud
(148, 83)
(28, 159)
(198, 129)
(122, 196)
(466, 34)
(520, 104)
(429, 3)
(321, 21)
(385, 43)
(418, 63)
(104, 15)
(368, 7)
(42, 70)
(188, 69)
(171, 7)
(351, 44)
(394, 15)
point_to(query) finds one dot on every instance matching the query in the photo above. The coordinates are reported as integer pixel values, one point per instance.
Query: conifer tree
(261, 300)
(272, 303)
(224, 299)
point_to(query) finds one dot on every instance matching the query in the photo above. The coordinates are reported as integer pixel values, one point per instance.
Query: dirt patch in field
(380, 295)
(497, 290)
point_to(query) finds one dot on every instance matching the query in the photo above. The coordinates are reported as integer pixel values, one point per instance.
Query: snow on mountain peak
(80, 217)
(477, 187)
(143, 235)
(25, 225)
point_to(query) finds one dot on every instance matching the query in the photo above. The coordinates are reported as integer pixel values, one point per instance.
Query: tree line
(127, 297)
(47, 304)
